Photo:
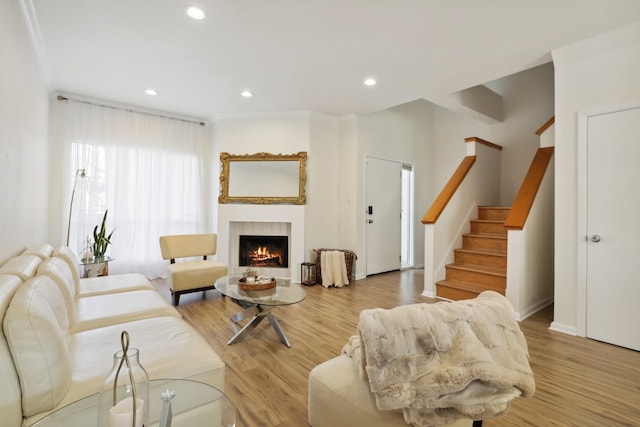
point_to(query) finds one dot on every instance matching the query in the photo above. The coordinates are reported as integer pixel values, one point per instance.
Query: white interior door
(613, 228)
(383, 204)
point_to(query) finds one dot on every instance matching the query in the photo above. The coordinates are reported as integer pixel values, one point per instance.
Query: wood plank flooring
(580, 382)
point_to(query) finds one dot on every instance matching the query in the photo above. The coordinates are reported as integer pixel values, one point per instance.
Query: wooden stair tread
(489, 252)
(465, 286)
(479, 269)
(481, 263)
(487, 235)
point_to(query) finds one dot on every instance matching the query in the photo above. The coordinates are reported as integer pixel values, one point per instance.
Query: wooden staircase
(481, 263)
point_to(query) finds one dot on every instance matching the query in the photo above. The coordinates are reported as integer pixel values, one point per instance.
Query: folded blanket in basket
(445, 361)
(334, 269)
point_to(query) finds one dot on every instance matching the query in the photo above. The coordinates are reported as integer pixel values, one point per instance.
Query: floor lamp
(79, 173)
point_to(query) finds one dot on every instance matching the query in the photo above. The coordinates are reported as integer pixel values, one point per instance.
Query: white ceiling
(301, 54)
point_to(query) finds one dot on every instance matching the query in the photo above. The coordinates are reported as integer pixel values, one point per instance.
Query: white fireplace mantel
(292, 214)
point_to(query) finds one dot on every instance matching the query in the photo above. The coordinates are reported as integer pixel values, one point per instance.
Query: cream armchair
(191, 275)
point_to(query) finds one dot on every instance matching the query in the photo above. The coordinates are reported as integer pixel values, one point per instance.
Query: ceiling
(300, 55)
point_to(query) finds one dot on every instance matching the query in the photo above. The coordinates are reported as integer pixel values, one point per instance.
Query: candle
(121, 415)
(251, 279)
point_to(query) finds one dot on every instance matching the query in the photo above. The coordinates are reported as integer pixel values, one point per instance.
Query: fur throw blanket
(444, 361)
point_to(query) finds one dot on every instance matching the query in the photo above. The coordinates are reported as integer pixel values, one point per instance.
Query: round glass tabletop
(284, 293)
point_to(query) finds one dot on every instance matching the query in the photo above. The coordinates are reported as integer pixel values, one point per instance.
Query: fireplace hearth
(264, 251)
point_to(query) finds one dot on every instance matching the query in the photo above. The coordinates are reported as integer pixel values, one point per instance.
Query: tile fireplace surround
(268, 220)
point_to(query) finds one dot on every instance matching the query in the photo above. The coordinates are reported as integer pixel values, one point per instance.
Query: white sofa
(57, 343)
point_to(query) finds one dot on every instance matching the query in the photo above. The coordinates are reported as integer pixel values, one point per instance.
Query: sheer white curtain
(153, 174)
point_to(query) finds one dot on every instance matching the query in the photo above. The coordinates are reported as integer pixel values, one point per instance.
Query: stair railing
(475, 181)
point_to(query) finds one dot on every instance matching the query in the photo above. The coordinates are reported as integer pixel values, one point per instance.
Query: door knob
(370, 221)
(595, 238)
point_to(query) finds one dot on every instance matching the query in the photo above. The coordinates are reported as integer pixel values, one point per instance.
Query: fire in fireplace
(264, 251)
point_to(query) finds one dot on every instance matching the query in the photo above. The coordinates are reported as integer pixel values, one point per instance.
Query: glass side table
(195, 404)
(95, 268)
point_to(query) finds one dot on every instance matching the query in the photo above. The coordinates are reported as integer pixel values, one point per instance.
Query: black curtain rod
(64, 98)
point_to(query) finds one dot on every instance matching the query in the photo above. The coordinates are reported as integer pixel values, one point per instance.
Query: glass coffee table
(195, 404)
(259, 304)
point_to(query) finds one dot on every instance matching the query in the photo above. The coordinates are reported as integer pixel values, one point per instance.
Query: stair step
(488, 258)
(485, 242)
(456, 290)
(490, 278)
(497, 213)
(487, 226)
(481, 263)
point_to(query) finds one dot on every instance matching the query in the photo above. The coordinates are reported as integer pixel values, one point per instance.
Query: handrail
(546, 126)
(528, 190)
(448, 190)
(483, 141)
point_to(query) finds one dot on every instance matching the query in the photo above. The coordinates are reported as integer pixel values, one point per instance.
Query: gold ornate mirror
(263, 178)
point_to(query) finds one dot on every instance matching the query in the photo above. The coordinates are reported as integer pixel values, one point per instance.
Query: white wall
(402, 134)
(323, 185)
(313, 225)
(23, 138)
(350, 227)
(527, 103)
(593, 75)
(450, 130)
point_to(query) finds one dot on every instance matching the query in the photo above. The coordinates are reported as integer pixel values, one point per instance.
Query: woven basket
(349, 259)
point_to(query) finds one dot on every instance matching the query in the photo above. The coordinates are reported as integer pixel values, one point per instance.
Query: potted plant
(101, 240)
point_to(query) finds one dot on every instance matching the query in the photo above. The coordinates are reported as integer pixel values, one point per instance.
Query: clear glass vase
(127, 383)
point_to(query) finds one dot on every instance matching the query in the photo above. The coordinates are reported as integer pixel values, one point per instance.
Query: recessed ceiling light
(151, 92)
(195, 12)
(370, 81)
(246, 93)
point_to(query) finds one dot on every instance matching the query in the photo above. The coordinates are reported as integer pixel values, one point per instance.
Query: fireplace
(263, 251)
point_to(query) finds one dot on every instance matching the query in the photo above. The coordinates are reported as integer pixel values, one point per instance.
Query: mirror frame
(226, 159)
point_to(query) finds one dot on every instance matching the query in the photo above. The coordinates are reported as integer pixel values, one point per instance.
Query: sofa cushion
(103, 310)
(37, 330)
(111, 309)
(23, 266)
(60, 273)
(10, 395)
(43, 250)
(91, 286)
(67, 255)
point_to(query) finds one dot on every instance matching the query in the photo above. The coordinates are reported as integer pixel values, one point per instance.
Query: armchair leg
(176, 297)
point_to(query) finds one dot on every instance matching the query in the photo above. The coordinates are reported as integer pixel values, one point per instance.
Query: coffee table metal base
(259, 312)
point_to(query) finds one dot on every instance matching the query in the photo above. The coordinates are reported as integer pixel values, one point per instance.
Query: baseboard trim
(428, 294)
(534, 308)
(565, 329)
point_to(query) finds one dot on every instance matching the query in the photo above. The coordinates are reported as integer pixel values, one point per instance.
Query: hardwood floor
(579, 382)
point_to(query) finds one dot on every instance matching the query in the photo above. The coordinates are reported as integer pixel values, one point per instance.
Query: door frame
(581, 223)
(364, 201)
